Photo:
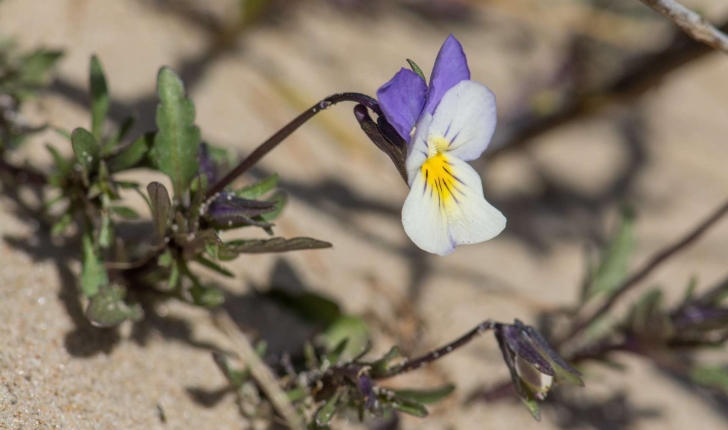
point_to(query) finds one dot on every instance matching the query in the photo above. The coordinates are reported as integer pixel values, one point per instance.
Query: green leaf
(125, 212)
(131, 154)
(176, 143)
(385, 363)
(62, 225)
(417, 69)
(106, 231)
(107, 308)
(234, 376)
(161, 208)
(614, 264)
(407, 406)
(37, 66)
(335, 355)
(427, 397)
(309, 306)
(257, 189)
(214, 267)
(280, 199)
(86, 148)
(206, 296)
(715, 377)
(326, 413)
(64, 166)
(124, 128)
(93, 274)
(278, 244)
(99, 97)
(349, 327)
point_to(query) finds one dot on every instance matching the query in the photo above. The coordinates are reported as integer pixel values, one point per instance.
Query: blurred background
(601, 103)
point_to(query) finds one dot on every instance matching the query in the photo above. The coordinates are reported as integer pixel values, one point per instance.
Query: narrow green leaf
(259, 188)
(295, 395)
(125, 212)
(278, 244)
(615, 261)
(385, 363)
(132, 154)
(349, 327)
(176, 143)
(63, 167)
(107, 308)
(308, 305)
(208, 297)
(106, 231)
(124, 128)
(93, 275)
(214, 267)
(416, 69)
(427, 397)
(63, 132)
(161, 208)
(715, 377)
(62, 225)
(38, 65)
(85, 147)
(99, 97)
(405, 405)
(335, 355)
(326, 413)
(280, 199)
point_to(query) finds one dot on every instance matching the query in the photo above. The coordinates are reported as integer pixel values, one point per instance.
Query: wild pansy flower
(445, 125)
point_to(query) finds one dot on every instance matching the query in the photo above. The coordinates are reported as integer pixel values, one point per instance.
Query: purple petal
(402, 99)
(451, 68)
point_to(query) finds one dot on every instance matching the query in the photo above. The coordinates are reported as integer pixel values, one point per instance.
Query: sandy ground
(667, 154)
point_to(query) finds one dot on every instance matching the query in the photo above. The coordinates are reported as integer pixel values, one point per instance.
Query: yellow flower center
(438, 172)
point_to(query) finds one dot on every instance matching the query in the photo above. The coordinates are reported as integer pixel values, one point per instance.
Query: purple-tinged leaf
(161, 207)
(208, 168)
(524, 349)
(366, 387)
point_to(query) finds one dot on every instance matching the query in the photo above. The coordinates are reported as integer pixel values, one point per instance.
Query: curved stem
(286, 131)
(426, 359)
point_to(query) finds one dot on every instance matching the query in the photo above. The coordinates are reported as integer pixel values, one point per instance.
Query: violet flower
(445, 125)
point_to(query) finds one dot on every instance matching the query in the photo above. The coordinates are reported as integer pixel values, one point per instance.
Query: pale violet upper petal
(466, 119)
(451, 67)
(402, 100)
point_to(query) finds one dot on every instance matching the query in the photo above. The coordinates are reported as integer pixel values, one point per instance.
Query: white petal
(466, 119)
(470, 218)
(418, 151)
(446, 207)
(424, 218)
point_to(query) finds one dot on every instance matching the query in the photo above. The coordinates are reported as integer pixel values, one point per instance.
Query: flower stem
(286, 131)
(426, 359)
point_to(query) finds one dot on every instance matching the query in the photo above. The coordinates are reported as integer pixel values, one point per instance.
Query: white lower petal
(446, 207)
(471, 219)
(424, 219)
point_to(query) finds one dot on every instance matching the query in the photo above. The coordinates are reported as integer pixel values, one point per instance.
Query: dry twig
(691, 23)
(260, 372)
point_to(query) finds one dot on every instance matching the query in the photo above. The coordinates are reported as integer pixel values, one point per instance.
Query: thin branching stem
(286, 131)
(691, 23)
(444, 350)
(659, 258)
